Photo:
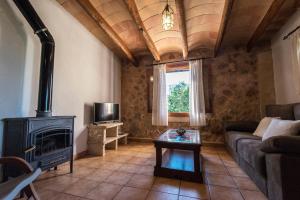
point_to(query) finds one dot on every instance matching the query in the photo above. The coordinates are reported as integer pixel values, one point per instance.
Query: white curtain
(197, 103)
(295, 51)
(160, 105)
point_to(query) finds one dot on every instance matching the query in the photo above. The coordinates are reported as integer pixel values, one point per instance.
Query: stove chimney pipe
(44, 108)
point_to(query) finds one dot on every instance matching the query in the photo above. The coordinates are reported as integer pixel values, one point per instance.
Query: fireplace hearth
(44, 142)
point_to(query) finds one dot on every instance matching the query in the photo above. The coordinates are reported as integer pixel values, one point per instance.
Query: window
(178, 83)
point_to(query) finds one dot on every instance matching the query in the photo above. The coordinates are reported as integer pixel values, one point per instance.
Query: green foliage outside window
(178, 99)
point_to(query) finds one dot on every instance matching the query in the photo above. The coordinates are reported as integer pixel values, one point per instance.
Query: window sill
(179, 119)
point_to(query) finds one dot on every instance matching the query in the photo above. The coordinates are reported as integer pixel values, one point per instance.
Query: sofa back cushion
(262, 126)
(297, 111)
(285, 112)
(280, 127)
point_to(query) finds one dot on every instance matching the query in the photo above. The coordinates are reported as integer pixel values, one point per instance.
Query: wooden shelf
(110, 139)
(121, 135)
(178, 160)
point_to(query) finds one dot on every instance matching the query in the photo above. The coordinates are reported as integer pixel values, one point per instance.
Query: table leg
(158, 156)
(197, 161)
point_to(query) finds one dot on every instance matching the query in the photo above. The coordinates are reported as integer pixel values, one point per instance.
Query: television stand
(105, 135)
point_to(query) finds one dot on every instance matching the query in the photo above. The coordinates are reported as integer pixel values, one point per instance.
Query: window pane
(178, 91)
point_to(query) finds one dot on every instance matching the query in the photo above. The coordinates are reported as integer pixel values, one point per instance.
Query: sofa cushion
(262, 126)
(285, 112)
(242, 126)
(232, 137)
(297, 111)
(280, 127)
(249, 150)
(282, 144)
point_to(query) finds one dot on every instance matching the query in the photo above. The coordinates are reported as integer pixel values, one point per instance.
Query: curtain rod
(176, 61)
(290, 33)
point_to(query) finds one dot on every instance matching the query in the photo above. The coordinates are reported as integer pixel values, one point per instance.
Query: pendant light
(167, 17)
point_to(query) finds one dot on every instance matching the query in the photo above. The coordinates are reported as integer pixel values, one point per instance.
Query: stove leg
(71, 165)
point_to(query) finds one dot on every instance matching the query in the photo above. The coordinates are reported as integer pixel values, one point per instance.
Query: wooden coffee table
(181, 156)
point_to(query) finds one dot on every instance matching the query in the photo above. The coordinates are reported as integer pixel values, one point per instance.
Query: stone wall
(234, 89)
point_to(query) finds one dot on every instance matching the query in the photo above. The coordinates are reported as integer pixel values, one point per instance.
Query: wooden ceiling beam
(224, 21)
(267, 19)
(97, 17)
(133, 10)
(182, 26)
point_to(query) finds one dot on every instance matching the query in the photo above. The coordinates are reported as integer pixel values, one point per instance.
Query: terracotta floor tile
(226, 157)
(127, 193)
(47, 194)
(112, 158)
(115, 165)
(96, 164)
(120, 178)
(230, 163)
(108, 177)
(124, 158)
(223, 153)
(104, 191)
(245, 183)
(81, 187)
(99, 175)
(138, 161)
(58, 183)
(111, 165)
(130, 168)
(224, 193)
(209, 154)
(45, 175)
(82, 172)
(125, 152)
(141, 181)
(146, 170)
(215, 169)
(85, 161)
(186, 198)
(194, 190)
(145, 155)
(253, 195)
(63, 196)
(236, 171)
(161, 196)
(151, 162)
(149, 150)
(166, 185)
(221, 180)
(212, 160)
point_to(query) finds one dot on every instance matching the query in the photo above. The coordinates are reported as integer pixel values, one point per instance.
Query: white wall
(12, 57)
(85, 71)
(281, 53)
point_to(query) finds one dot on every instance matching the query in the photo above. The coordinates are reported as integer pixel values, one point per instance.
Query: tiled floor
(127, 174)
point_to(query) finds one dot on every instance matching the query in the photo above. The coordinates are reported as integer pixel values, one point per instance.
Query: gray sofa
(274, 165)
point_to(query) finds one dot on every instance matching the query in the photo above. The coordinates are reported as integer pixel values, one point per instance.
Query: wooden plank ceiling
(132, 28)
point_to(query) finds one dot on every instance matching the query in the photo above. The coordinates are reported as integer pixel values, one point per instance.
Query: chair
(21, 184)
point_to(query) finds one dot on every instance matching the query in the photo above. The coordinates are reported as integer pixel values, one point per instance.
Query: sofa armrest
(243, 126)
(283, 176)
(282, 144)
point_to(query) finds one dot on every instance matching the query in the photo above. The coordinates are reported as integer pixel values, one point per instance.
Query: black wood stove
(44, 141)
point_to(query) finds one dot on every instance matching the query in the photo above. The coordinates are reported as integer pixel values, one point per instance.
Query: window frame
(178, 67)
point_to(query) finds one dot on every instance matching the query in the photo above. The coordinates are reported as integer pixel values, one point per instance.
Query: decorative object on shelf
(167, 17)
(181, 131)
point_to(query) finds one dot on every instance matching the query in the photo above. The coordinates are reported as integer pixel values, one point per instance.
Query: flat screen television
(106, 112)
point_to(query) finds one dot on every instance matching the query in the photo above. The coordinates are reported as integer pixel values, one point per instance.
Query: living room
(218, 80)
